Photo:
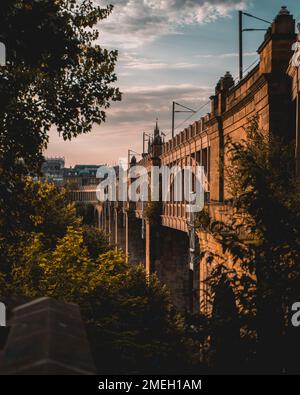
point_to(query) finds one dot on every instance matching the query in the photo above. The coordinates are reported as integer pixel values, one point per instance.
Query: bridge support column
(101, 219)
(116, 233)
(120, 230)
(98, 218)
(152, 252)
(135, 244)
(112, 224)
(106, 218)
(167, 255)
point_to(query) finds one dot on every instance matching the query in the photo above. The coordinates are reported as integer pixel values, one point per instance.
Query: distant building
(81, 175)
(53, 170)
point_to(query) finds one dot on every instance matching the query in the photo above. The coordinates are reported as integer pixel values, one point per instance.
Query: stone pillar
(135, 245)
(112, 225)
(98, 213)
(106, 218)
(154, 246)
(167, 255)
(47, 337)
(150, 248)
(116, 233)
(120, 230)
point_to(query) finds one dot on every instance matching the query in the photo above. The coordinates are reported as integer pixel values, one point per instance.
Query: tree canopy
(57, 76)
(131, 322)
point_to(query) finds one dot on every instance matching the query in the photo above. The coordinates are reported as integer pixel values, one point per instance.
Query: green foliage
(268, 200)
(43, 211)
(261, 240)
(57, 76)
(202, 219)
(96, 240)
(132, 324)
(64, 79)
(87, 213)
(50, 214)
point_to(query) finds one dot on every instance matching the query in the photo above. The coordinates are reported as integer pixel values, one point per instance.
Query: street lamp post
(241, 31)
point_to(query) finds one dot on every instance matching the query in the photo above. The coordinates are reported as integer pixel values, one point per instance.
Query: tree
(87, 213)
(131, 323)
(57, 75)
(96, 241)
(49, 214)
(262, 240)
(43, 210)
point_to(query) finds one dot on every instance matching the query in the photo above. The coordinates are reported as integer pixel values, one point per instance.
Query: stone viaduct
(269, 91)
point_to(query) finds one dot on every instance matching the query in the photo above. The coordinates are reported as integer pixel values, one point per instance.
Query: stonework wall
(270, 92)
(136, 244)
(171, 265)
(266, 92)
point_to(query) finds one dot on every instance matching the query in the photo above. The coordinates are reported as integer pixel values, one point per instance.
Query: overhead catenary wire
(192, 115)
(237, 78)
(208, 102)
(247, 68)
(256, 17)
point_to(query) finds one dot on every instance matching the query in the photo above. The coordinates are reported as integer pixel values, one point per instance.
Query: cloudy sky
(168, 50)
